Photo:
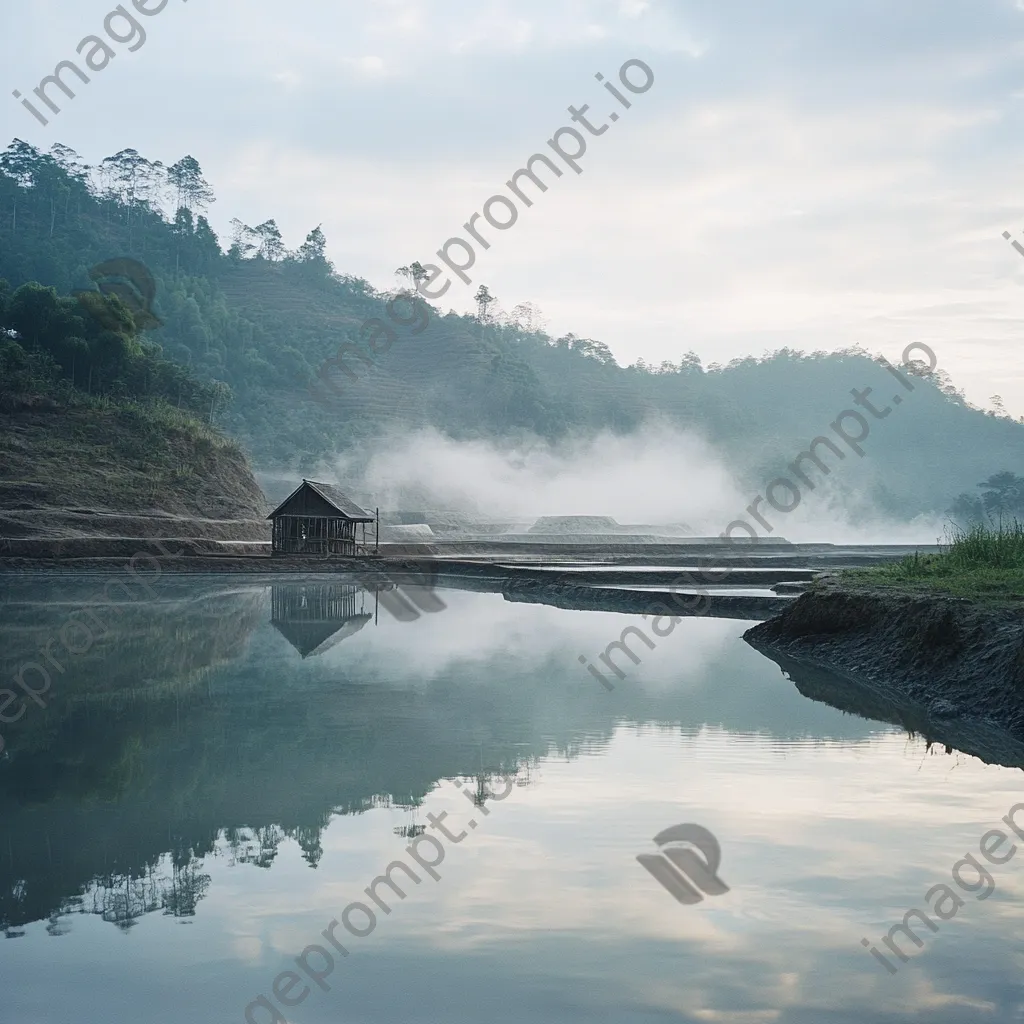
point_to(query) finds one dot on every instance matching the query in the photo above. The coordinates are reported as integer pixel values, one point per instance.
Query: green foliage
(981, 547)
(93, 344)
(976, 562)
(261, 321)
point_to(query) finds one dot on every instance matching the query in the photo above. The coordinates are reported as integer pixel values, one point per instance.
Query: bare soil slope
(80, 471)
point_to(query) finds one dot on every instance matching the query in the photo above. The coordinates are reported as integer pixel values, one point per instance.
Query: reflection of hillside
(132, 653)
(243, 765)
(272, 746)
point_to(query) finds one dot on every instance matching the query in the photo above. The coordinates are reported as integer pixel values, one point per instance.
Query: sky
(814, 175)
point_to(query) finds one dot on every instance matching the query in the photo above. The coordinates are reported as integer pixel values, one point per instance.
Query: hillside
(84, 470)
(257, 322)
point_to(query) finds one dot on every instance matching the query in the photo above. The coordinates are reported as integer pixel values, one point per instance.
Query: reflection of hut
(317, 519)
(315, 617)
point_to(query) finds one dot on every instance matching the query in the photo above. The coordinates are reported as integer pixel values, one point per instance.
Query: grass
(981, 563)
(122, 456)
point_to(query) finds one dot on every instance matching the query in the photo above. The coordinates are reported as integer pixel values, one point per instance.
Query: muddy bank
(945, 659)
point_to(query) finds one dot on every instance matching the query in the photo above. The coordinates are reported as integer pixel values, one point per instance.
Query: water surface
(209, 788)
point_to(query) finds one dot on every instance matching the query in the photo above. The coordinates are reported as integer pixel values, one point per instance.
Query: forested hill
(262, 319)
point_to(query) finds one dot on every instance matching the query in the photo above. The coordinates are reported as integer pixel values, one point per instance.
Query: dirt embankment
(953, 658)
(74, 475)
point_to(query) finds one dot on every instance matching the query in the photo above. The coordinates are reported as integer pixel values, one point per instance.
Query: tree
(311, 257)
(220, 395)
(70, 163)
(595, 350)
(20, 161)
(484, 301)
(314, 248)
(415, 273)
(242, 240)
(184, 225)
(192, 191)
(528, 317)
(206, 245)
(966, 510)
(1003, 495)
(132, 181)
(271, 245)
(690, 363)
(74, 170)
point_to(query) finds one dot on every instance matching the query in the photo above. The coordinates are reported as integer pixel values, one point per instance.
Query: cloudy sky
(814, 174)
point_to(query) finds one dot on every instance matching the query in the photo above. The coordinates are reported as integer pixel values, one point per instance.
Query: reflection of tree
(484, 791)
(57, 925)
(259, 846)
(409, 831)
(267, 750)
(308, 839)
(186, 889)
(122, 898)
(256, 846)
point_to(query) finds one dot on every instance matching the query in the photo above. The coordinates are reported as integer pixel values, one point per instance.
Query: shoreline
(955, 664)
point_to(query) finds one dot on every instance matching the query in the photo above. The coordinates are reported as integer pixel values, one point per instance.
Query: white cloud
(798, 174)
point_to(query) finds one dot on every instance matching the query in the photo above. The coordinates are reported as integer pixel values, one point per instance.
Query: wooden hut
(317, 519)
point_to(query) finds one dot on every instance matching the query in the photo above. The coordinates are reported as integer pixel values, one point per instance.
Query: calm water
(200, 801)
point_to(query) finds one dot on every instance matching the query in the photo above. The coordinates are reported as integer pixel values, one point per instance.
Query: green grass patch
(981, 563)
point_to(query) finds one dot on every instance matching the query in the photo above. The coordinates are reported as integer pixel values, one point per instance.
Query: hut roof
(345, 506)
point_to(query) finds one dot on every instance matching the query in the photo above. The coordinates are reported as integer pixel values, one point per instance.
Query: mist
(659, 475)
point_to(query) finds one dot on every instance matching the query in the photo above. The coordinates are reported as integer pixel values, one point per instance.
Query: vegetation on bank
(94, 419)
(981, 562)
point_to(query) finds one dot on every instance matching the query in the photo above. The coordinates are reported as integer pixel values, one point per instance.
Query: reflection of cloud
(482, 628)
(821, 844)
